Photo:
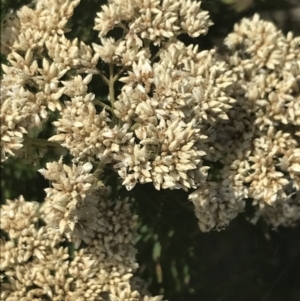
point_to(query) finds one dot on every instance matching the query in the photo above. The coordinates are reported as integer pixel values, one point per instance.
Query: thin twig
(115, 78)
(155, 56)
(42, 142)
(105, 79)
(121, 25)
(102, 104)
(111, 84)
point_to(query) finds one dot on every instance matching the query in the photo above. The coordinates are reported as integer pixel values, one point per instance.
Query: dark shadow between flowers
(242, 262)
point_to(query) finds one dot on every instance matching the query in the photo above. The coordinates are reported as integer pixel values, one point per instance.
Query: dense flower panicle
(261, 40)
(10, 28)
(285, 213)
(153, 20)
(179, 107)
(35, 265)
(180, 113)
(120, 52)
(32, 27)
(70, 188)
(266, 64)
(166, 160)
(267, 182)
(24, 38)
(216, 205)
(163, 123)
(71, 54)
(188, 89)
(273, 87)
(49, 16)
(201, 84)
(88, 134)
(17, 215)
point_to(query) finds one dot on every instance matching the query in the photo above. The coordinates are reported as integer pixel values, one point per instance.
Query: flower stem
(102, 104)
(105, 79)
(115, 78)
(111, 85)
(42, 142)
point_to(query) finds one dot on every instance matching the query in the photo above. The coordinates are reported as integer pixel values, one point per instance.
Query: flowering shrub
(180, 110)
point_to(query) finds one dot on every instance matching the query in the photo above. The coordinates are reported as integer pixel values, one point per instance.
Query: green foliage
(18, 178)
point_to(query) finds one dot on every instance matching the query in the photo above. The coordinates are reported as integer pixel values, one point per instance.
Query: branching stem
(102, 104)
(38, 142)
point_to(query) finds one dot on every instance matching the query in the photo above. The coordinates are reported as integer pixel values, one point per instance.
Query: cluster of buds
(180, 110)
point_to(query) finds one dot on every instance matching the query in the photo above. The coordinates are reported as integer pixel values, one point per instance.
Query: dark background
(243, 262)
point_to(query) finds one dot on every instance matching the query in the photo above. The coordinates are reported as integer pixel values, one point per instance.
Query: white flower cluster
(178, 108)
(153, 20)
(70, 188)
(158, 136)
(32, 84)
(34, 264)
(266, 65)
